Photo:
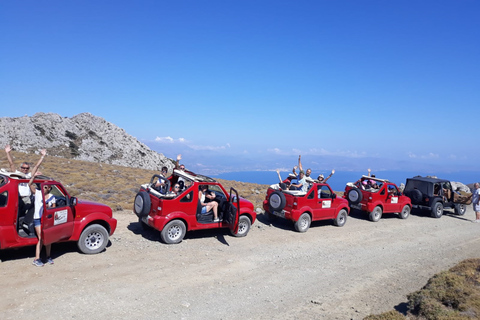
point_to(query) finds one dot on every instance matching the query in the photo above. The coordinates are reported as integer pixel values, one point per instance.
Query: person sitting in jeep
(205, 195)
(302, 183)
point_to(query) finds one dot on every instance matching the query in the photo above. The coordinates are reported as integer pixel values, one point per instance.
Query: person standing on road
(475, 202)
(37, 216)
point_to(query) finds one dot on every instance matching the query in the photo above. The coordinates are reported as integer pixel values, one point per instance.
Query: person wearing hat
(321, 178)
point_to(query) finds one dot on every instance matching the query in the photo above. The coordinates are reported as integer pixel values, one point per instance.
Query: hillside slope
(81, 137)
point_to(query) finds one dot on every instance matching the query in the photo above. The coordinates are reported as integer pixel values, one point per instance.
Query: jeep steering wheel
(162, 189)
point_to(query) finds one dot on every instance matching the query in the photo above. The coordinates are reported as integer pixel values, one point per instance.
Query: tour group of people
(30, 197)
(303, 178)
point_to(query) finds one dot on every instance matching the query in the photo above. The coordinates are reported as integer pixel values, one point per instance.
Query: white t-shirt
(50, 201)
(23, 188)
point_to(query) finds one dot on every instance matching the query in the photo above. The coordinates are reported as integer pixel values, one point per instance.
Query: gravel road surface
(326, 273)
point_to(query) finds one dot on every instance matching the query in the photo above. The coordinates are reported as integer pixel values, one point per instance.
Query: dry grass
(112, 185)
(449, 295)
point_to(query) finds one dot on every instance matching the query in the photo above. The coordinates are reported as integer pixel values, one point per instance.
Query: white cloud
(275, 150)
(429, 155)
(208, 148)
(321, 152)
(170, 140)
(164, 139)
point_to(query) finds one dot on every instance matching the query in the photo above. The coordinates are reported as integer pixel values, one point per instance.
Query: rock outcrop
(83, 137)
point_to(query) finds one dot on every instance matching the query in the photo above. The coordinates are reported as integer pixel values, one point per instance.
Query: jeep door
(57, 222)
(325, 207)
(392, 199)
(230, 217)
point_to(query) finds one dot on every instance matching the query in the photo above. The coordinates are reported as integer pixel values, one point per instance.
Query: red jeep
(175, 214)
(88, 223)
(377, 196)
(318, 203)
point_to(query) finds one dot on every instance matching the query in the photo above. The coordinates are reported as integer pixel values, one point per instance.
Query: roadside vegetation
(448, 295)
(113, 185)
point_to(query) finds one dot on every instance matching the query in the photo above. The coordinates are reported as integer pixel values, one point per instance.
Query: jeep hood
(85, 207)
(244, 203)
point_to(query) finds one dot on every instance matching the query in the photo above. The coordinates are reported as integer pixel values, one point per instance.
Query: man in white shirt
(24, 192)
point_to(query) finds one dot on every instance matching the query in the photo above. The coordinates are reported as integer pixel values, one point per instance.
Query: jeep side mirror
(334, 196)
(73, 201)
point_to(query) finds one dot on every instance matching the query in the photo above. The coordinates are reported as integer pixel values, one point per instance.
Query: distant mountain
(82, 137)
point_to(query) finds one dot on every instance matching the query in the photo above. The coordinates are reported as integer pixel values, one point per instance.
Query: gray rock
(82, 137)
(458, 186)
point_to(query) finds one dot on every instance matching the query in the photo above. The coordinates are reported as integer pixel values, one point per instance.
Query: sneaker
(216, 220)
(38, 263)
(49, 260)
(476, 221)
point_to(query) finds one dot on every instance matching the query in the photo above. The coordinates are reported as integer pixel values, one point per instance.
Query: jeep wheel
(303, 223)
(244, 225)
(416, 196)
(376, 214)
(437, 209)
(277, 201)
(142, 204)
(405, 212)
(93, 239)
(173, 232)
(460, 209)
(354, 196)
(341, 218)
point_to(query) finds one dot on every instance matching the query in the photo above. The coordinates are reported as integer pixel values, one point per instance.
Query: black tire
(354, 196)
(277, 201)
(303, 223)
(142, 204)
(460, 209)
(437, 209)
(416, 196)
(173, 232)
(341, 218)
(93, 239)
(405, 213)
(376, 214)
(244, 225)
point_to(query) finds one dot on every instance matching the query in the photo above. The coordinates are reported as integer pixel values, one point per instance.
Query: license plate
(279, 214)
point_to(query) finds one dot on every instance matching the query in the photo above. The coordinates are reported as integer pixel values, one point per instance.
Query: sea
(338, 181)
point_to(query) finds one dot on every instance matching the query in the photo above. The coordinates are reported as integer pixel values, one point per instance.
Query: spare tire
(416, 196)
(354, 196)
(277, 201)
(142, 204)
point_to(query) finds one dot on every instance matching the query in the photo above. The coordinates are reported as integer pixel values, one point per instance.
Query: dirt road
(275, 272)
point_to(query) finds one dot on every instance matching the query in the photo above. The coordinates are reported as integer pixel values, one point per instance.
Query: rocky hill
(81, 137)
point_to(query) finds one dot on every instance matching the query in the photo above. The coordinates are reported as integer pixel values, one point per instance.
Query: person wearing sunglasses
(23, 188)
(176, 189)
(38, 211)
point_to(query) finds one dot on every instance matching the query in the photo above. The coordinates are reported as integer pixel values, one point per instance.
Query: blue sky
(250, 85)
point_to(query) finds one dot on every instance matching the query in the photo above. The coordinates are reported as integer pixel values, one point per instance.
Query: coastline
(338, 181)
